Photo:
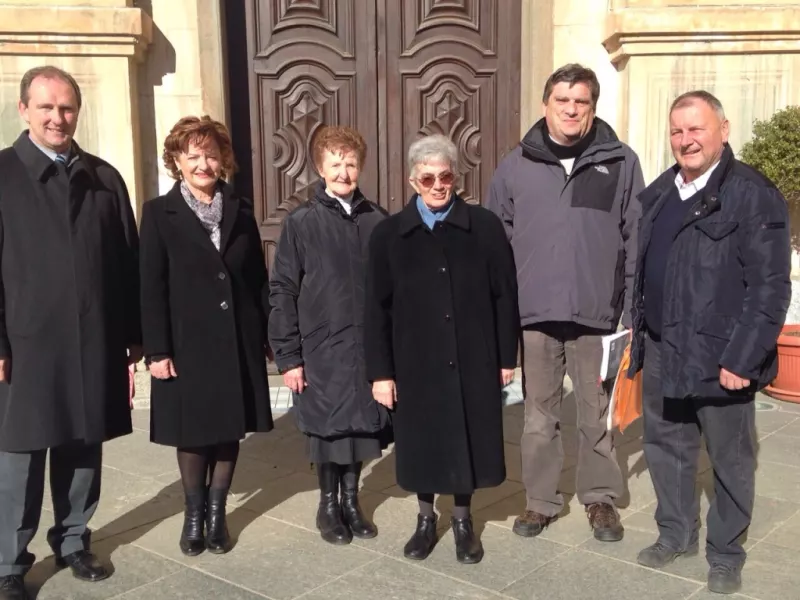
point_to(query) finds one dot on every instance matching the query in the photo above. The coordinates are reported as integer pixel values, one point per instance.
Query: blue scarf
(429, 217)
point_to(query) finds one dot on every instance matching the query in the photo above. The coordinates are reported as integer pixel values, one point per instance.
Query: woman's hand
(506, 376)
(163, 369)
(295, 380)
(384, 392)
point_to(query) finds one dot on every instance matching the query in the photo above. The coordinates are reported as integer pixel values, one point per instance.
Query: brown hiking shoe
(531, 523)
(605, 522)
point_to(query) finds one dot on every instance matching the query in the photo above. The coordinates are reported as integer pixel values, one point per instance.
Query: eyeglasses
(429, 179)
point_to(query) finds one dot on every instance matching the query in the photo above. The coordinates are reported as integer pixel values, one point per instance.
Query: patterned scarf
(210, 215)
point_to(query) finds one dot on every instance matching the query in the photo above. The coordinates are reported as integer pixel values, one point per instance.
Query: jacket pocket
(717, 230)
(313, 339)
(596, 187)
(717, 326)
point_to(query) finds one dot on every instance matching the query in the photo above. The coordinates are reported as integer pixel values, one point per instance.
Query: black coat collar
(42, 166)
(176, 206)
(410, 218)
(358, 203)
(711, 191)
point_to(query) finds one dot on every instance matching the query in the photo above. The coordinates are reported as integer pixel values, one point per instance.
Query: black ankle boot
(354, 518)
(468, 547)
(192, 540)
(424, 539)
(218, 540)
(329, 516)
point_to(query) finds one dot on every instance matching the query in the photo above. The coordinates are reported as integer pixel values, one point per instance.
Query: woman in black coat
(205, 306)
(316, 330)
(441, 333)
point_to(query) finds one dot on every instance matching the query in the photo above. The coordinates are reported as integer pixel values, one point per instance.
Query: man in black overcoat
(69, 325)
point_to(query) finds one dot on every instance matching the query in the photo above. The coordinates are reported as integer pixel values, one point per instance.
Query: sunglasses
(429, 179)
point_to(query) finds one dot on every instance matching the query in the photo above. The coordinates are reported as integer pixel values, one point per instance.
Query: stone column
(100, 43)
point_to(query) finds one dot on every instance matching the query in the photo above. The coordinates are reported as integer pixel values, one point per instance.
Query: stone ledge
(701, 30)
(74, 30)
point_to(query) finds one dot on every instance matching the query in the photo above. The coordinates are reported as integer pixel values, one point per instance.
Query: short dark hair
(688, 98)
(573, 73)
(48, 72)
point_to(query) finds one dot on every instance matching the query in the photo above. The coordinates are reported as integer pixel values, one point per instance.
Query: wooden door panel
(453, 68)
(313, 64)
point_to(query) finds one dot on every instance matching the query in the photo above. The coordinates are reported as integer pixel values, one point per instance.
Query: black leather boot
(12, 587)
(193, 542)
(329, 516)
(218, 540)
(424, 539)
(469, 549)
(354, 518)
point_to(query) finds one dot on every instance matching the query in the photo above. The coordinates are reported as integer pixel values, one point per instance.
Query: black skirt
(347, 450)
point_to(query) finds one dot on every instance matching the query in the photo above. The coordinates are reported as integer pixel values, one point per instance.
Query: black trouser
(672, 430)
(75, 471)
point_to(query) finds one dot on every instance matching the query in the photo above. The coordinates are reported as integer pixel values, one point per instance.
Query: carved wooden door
(393, 69)
(453, 68)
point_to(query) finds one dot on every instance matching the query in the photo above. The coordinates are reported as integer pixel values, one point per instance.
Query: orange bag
(626, 398)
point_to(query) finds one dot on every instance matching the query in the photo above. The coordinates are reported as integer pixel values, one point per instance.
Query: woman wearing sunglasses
(441, 333)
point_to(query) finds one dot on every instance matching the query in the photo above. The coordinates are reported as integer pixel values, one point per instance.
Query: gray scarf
(209, 215)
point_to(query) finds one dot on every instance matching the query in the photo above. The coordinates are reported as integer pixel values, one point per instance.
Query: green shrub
(775, 151)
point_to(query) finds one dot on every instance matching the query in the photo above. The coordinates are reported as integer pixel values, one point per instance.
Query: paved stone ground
(279, 554)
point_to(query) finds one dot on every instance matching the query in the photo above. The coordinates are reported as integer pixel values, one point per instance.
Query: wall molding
(701, 30)
(74, 31)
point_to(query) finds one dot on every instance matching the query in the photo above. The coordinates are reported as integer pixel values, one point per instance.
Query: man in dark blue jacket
(710, 297)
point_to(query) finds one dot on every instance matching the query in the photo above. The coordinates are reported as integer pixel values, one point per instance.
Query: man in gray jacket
(567, 198)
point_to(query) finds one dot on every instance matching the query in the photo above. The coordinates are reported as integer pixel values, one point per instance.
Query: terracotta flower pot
(786, 386)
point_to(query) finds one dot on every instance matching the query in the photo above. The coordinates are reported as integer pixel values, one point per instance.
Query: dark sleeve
(378, 308)
(257, 275)
(503, 274)
(5, 345)
(129, 266)
(500, 202)
(284, 291)
(154, 269)
(631, 215)
(765, 256)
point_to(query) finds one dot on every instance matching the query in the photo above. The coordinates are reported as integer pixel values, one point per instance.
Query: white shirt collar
(687, 190)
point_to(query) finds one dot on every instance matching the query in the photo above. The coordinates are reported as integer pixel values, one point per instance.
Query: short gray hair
(689, 98)
(430, 148)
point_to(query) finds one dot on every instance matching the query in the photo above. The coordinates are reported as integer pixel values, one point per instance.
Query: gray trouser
(672, 430)
(549, 351)
(75, 487)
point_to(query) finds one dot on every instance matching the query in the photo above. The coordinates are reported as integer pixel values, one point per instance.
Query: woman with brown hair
(316, 327)
(205, 306)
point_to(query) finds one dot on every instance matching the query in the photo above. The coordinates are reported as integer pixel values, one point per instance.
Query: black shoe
(660, 555)
(192, 540)
(424, 539)
(84, 565)
(724, 579)
(218, 540)
(12, 587)
(329, 516)
(352, 515)
(469, 549)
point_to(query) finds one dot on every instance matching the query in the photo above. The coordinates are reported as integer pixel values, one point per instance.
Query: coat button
(451, 364)
(221, 276)
(442, 270)
(697, 213)
(447, 317)
(223, 305)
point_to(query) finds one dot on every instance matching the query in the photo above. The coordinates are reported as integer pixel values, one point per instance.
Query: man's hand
(163, 369)
(5, 370)
(270, 355)
(134, 354)
(732, 382)
(384, 392)
(506, 376)
(295, 380)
